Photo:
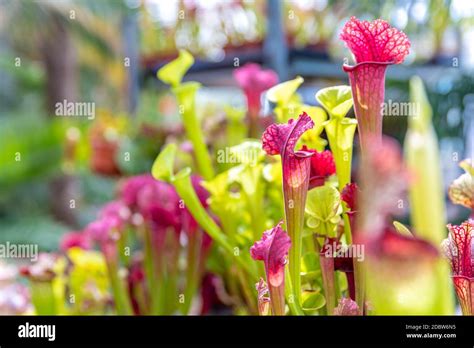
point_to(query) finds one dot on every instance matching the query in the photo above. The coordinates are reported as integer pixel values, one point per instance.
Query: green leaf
(340, 133)
(226, 204)
(312, 301)
(186, 95)
(272, 172)
(236, 129)
(342, 281)
(162, 168)
(468, 166)
(324, 208)
(235, 114)
(337, 100)
(249, 152)
(426, 192)
(173, 72)
(217, 186)
(402, 229)
(281, 94)
(311, 277)
(42, 297)
(310, 263)
(185, 189)
(317, 114)
(311, 137)
(312, 222)
(421, 121)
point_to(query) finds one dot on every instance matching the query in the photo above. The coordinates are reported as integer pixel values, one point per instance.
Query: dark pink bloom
(375, 41)
(116, 213)
(75, 239)
(213, 294)
(346, 306)
(272, 249)
(99, 230)
(459, 248)
(159, 202)
(342, 263)
(322, 166)
(383, 178)
(322, 163)
(349, 195)
(281, 139)
(393, 246)
(263, 299)
(156, 201)
(375, 45)
(113, 217)
(105, 232)
(132, 186)
(116, 209)
(254, 81)
(137, 290)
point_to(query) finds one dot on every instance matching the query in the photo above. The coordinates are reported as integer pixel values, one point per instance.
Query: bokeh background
(56, 171)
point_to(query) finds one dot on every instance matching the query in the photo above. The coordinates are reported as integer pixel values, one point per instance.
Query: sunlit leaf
(173, 72)
(468, 166)
(402, 229)
(282, 93)
(162, 168)
(426, 191)
(337, 100)
(312, 301)
(248, 152)
(324, 208)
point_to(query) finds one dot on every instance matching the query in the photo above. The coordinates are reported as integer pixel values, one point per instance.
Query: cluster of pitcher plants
(275, 218)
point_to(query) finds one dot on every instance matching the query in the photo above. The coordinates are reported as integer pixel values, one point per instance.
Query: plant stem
(426, 194)
(122, 243)
(43, 299)
(139, 293)
(360, 286)
(192, 270)
(169, 298)
(347, 229)
(327, 273)
(186, 95)
(277, 298)
(121, 298)
(152, 272)
(294, 305)
(249, 297)
(295, 199)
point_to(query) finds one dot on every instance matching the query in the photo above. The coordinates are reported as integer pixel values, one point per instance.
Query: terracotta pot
(103, 154)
